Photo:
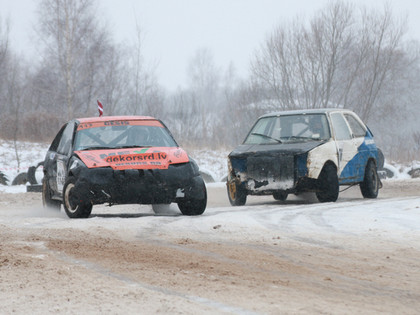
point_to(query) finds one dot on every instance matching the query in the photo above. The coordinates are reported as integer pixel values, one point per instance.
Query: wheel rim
(232, 190)
(68, 199)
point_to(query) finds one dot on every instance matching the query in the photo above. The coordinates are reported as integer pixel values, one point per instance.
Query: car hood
(133, 158)
(245, 150)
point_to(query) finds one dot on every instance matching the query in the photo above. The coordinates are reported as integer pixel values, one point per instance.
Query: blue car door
(363, 139)
(347, 149)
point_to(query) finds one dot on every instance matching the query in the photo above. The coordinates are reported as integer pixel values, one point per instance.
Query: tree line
(344, 56)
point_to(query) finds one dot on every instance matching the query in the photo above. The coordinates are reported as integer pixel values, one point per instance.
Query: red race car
(119, 160)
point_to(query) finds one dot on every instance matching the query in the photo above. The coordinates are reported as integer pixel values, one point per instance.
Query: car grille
(279, 168)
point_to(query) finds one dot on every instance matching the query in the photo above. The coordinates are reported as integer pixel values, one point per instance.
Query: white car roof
(307, 111)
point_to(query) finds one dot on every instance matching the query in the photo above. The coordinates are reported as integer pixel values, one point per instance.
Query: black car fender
(75, 166)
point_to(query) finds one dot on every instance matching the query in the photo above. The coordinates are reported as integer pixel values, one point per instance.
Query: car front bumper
(264, 175)
(105, 185)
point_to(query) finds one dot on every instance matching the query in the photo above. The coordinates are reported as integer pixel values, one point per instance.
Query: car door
(358, 131)
(346, 148)
(50, 165)
(58, 160)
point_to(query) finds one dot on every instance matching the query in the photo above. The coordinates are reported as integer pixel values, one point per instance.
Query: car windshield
(122, 136)
(289, 128)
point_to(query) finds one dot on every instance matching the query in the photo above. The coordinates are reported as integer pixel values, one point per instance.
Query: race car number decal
(61, 175)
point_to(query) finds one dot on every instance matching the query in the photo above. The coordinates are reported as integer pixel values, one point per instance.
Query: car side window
(65, 143)
(340, 126)
(56, 141)
(356, 127)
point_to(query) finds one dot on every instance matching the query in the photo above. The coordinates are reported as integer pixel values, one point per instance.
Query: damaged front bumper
(266, 174)
(149, 186)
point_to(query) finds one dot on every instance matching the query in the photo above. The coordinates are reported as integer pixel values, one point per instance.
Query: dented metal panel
(271, 172)
(271, 167)
(318, 156)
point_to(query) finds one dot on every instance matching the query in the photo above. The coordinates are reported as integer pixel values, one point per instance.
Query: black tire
(46, 197)
(381, 160)
(236, 193)
(280, 195)
(31, 173)
(191, 205)
(74, 207)
(370, 185)
(414, 173)
(3, 178)
(327, 184)
(20, 179)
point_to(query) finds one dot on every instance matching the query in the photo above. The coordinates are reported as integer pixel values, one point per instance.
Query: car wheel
(370, 185)
(236, 193)
(327, 184)
(46, 196)
(280, 195)
(193, 206)
(72, 205)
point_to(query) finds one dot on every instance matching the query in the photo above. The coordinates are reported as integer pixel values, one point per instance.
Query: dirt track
(98, 270)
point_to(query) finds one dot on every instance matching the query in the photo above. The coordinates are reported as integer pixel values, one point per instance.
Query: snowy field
(212, 163)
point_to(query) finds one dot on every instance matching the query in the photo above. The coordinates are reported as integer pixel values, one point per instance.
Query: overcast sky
(175, 29)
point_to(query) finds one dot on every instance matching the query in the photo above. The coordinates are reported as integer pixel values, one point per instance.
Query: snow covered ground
(268, 257)
(396, 218)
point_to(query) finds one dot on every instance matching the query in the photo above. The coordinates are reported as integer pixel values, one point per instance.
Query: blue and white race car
(304, 151)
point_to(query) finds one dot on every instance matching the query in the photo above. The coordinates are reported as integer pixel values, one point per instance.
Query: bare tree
(4, 60)
(383, 43)
(341, 59)
(204, 82)
(78, 55)
(14, 100)
(4, 40)
(143, 95)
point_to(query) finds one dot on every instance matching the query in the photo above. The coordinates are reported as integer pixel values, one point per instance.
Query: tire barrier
(20, 179)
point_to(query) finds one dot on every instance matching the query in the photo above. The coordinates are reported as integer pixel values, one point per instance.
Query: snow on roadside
(30, 154)
(13, 189)
(394, 219)
(211, 162)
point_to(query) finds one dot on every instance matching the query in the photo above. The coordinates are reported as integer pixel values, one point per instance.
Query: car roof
(113, 118)
(306, 111)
